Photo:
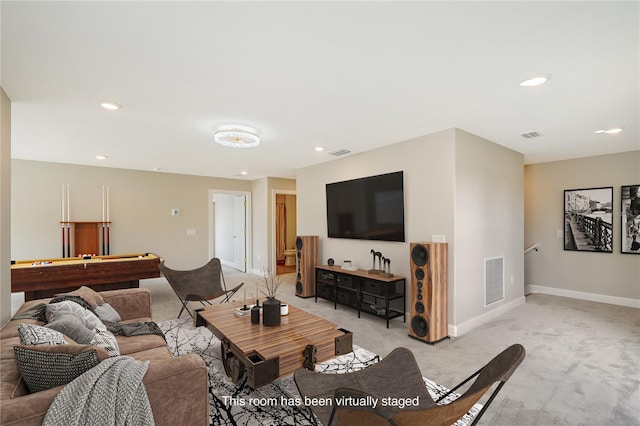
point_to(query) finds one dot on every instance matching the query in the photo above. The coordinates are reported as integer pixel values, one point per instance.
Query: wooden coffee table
(268, 352)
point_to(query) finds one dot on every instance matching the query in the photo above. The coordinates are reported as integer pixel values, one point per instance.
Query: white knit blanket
(111, 393)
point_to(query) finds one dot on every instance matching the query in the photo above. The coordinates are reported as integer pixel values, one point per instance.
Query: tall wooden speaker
(429, 292)
(307, 252)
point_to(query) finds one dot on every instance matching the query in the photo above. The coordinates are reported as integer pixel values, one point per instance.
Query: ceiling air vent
(339, 152)
(531, 135)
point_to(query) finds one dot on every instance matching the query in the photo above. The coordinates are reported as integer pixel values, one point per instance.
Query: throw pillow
(104, 339)
(88, 318)
(31, 334)
(42, 370)
(70, 325)
(106, 313)
(88, 294)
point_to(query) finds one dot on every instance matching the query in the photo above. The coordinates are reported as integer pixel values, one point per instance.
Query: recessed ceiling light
(319, 148)
(611, 131)
(244, 173)
(535, 81)
(111, 106)
(101, 157)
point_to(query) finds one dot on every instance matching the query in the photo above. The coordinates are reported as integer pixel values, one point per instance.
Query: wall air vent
(531, 135)
(493, 280)
(339, 152)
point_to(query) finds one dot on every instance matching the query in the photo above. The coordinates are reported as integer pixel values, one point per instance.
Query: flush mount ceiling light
(535, 81)
(111, 106)
(319, 148)
(236, 138)
(101, 157)
(611, 131)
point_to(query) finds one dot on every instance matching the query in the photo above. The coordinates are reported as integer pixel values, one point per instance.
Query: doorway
(284, 231)
(229, 231)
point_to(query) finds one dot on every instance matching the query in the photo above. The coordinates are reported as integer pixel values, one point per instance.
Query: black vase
(271, 312)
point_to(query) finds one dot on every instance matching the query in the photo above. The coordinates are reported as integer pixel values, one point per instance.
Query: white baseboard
(593, 297)
(458, 330)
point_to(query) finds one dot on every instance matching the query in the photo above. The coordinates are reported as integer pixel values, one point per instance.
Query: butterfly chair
(201, 284)
(398, 376)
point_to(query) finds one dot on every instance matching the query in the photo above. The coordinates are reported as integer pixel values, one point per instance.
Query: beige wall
(613, 278)
(140, 209)
(263, 197)
(443, 175)
(489, 223)
(5, 207)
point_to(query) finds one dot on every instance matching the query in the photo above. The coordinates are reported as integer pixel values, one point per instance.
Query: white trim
(593, 297)
(465, 327)
(248, 220)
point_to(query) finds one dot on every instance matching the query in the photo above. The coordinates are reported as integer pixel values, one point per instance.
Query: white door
(239, 233)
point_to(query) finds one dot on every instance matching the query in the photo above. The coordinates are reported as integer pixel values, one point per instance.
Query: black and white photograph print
(588, 219)
(630, 227)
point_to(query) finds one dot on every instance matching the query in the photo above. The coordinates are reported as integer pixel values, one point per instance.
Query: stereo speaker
(307, 252)
(429, 292)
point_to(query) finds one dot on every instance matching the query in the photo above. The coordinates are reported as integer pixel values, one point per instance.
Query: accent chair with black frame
(398, 376)
(200, 285)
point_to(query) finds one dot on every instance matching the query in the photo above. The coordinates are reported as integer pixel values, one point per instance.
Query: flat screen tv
(370, 208)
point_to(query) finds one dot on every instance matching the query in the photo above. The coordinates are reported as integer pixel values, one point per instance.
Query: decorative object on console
(384, 265)
(331, 262)
(346, 264)
(307, 251)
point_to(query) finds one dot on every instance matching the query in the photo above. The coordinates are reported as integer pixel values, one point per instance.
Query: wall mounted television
(369, 208)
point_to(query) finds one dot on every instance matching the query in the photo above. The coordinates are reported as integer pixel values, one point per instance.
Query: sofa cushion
(130, 345)
(10, 329)
(11, 386)
(88, 294)
(42, 370)
(31, 334)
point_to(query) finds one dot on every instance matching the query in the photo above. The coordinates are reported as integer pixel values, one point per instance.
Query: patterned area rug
(272, 404)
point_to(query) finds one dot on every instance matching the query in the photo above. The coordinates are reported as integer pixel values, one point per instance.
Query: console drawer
(373, 287)
(346, 281)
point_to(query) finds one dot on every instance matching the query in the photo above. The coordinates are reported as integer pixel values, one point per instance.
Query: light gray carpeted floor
(582, 365)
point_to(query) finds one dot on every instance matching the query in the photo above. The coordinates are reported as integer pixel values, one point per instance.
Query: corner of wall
(5, 207)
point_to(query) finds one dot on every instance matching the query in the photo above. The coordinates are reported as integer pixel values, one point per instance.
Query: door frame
(247, 224)
(275, 192)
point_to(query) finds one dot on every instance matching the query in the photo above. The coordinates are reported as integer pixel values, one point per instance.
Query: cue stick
(108, 224)
(68, 226)
(62, 216)
(108, 238)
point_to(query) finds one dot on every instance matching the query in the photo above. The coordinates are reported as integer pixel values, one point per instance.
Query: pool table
(41, 278)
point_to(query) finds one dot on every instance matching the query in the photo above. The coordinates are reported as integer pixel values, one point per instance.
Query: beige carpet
(582, 365)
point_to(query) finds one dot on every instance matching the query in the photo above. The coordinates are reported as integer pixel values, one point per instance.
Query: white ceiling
(357, 76)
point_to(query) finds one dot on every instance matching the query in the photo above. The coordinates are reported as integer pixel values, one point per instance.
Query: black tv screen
(370, 208)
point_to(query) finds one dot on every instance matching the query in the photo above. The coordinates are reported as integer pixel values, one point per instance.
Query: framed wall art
(588, 219)
(630, 226)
